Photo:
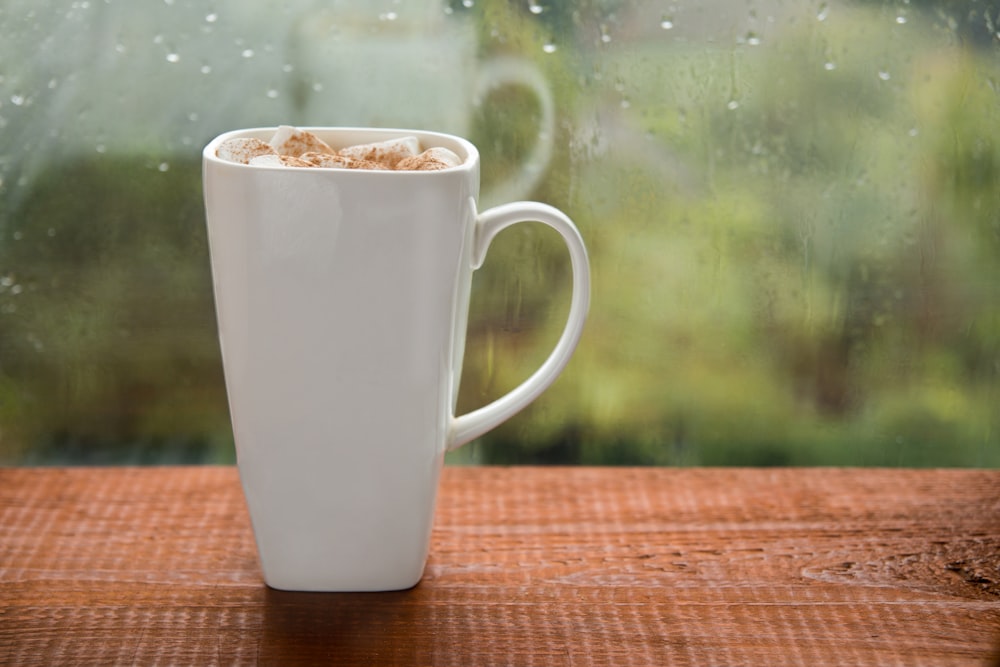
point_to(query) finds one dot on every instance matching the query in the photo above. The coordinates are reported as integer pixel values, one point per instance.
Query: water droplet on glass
(885, 76)
(913, 132)
(173, 58)
(830, 66)
(549, 47)
(247, 53)
(272, 94)
(901, 20)
(823, 13)
(101, 148)
(206, 69)
(733, 105)
(164, 166)
(388, 16)
(17, 100)
(468, 4)
(211, 18)
(535, 8)
(667, 23)
(753, 39)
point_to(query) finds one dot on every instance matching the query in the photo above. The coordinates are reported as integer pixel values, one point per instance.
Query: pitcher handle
(512, 71)
(473, 424)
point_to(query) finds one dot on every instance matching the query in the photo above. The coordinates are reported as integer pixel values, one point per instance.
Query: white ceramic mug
(342, 299)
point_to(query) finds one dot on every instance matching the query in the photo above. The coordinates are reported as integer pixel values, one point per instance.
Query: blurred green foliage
(108, 352)
(794, 247)
(794, 239)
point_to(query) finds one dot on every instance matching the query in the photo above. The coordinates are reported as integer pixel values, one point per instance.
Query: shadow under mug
(342, 300)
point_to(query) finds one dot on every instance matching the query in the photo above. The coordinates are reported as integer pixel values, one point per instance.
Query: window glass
(792, 212)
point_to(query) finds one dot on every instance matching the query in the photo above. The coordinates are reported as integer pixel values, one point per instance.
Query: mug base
(325, 585)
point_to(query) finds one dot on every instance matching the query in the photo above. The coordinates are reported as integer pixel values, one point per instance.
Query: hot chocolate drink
(293, 147)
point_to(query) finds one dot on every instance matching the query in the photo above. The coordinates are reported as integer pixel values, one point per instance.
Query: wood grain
(529, 566)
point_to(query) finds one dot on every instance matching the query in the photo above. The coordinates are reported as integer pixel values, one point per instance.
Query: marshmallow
(293, 141)
(269, 160)
(430, 160)
(243, 149)
(278, 161)
(388, 153)
(339, 161)
(292, 161)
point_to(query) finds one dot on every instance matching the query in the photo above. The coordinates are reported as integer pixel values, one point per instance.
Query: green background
(793, 221)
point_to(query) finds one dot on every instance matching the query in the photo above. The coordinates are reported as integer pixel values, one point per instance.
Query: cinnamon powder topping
(292, 147)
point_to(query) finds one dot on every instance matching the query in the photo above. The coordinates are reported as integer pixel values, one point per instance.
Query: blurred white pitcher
(342, 299)
(411, 65)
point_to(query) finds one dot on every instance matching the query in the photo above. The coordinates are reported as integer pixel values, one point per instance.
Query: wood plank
(582, 566)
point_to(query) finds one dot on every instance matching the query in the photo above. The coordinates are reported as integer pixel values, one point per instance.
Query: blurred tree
(109, 334)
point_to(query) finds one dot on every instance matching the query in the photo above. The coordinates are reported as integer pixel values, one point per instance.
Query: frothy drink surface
(293, 147)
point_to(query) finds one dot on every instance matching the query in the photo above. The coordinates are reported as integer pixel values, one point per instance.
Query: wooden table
(529, 566)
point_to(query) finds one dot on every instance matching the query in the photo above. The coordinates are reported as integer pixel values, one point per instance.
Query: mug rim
(428, 139)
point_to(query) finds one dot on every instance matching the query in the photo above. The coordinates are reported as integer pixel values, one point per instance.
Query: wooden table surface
(529, 566)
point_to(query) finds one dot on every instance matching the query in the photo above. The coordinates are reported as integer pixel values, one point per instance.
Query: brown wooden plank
(582, 566)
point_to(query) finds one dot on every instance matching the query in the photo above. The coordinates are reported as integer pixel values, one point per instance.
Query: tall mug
(342, 299)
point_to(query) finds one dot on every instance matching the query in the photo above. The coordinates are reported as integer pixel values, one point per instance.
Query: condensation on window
(792, 212)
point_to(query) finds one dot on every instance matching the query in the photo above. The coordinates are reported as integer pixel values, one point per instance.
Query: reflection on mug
(356, 66)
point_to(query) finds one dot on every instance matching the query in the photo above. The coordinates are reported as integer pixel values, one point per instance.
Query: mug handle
(473, 424)
(511, 71)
